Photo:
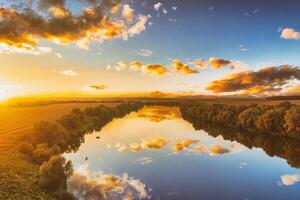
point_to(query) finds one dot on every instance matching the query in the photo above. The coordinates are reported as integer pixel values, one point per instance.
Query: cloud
(144, 160)
(135, 65)
(200, 63)
(200, 148)
(69, 72)
(151, 69)
(156, 69)
(98, 186)
(217, 63)
(290, 34)
(23, 28)
(36, 51)
(157, 6)
(217, 150)
(182, 68)
(264, 81)
(127, 13)
(154, 143)
(120, 66)
(121, 147)
(293, 90)
(158, 114)
(183, 144)
(139, 26)
(135, 147)
(290, 179)
(94, 88)
(145, 53)
(174, 7)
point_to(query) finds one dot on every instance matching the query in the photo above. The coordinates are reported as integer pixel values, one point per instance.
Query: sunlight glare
(3, 94)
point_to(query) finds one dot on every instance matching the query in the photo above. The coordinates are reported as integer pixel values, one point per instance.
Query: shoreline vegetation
(42, 150)
(274, 128)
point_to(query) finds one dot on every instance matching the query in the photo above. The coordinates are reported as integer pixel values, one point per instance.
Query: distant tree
(51, 134)
(248, 117)
(271, 121)
(292, 121)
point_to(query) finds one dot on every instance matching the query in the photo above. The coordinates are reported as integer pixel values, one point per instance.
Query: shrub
(26, 148)
(51, 134)
(43, 152)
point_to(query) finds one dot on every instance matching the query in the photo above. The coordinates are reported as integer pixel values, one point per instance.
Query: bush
(51, 134)
(43, 152)
(292, 121)
(26, 148)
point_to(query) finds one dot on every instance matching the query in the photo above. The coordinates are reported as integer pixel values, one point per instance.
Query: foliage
(54, 173)
(281, 120)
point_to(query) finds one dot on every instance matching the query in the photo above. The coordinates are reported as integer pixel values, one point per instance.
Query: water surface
(155, 154)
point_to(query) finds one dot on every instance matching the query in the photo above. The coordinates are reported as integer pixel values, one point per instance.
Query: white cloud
(144, 160)
(290, 34)
(139, 26)
(174, 7)
(157, 6)
(145, 53)
(127, 12)
(70, 73)
(290, 179)
(37, 51)
(87, 185)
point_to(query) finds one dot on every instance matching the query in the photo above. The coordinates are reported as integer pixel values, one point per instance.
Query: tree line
(283, 147)
(48, 140)
(282, 119)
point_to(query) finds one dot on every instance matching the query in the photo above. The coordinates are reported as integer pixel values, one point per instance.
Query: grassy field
(17, 120)
(18, 177)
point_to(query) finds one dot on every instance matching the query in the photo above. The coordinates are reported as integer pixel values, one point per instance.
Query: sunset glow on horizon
(92, 48)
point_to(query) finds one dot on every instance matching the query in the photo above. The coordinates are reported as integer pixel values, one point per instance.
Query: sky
(112, 47)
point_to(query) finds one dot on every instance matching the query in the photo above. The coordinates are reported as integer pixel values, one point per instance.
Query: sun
(3, 94)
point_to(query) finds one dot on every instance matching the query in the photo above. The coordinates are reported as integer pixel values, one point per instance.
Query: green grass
(18, 177)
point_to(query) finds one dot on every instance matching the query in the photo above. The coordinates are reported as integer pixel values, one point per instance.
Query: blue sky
(244, 32)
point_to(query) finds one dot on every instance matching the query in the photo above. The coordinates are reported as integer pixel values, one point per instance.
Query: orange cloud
(217, 63)
(181, 145)
(290, 34)
(290, 179)
(156, 69)
(266, 80)
(154, 143)
(182, 68)
(217, 150)
(24, 29)
(135, 65)
(127, 13)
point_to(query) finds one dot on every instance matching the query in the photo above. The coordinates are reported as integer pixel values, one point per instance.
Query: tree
(271, 121)
(248, 117)
(292, 121)
(43, 152)
(54, 173)
(51, 134)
